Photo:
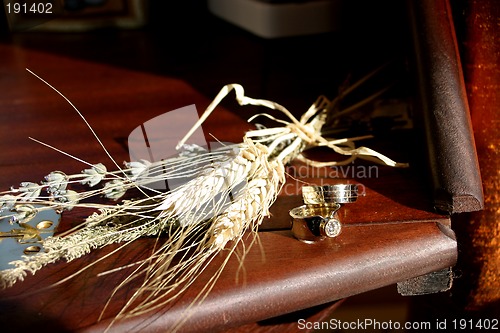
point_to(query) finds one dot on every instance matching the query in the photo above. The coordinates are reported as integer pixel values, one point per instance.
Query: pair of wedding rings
(318, 217)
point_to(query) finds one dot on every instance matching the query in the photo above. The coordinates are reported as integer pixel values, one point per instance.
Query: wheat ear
(165, 279)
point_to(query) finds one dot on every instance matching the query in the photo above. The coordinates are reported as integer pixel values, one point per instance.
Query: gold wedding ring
(319, 195)
(313, 223)
(318, 218)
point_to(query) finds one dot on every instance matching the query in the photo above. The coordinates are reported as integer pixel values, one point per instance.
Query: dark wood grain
(390, 234)
(443, 109)
(480, 232)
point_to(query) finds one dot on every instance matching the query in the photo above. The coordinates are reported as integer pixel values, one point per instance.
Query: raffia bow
(305, 132)
(220, 203)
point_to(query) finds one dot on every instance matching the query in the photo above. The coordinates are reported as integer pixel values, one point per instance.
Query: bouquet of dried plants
(228, 195)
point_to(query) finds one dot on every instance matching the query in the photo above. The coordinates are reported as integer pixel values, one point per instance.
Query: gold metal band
(318, 218)
(312, 223)
(319, 195)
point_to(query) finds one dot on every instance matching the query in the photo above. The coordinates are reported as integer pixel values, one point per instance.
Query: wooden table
(391, 234)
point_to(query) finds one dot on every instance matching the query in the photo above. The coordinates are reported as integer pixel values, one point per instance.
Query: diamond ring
(318, 218)
(313, 223)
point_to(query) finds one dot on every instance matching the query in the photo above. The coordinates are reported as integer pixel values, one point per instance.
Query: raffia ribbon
(306, 130)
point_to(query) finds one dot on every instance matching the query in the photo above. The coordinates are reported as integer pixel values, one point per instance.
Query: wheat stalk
(248, 212)
(229, 193)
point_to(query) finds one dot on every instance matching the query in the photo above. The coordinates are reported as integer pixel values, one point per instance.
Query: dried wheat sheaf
(228, 194)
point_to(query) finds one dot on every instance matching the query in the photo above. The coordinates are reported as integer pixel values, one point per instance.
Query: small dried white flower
(114, 189)
(190, 150)
(57, 181)
(70, 198)
(29, 191)
(7, 201)
(95, 174)
(137, 168)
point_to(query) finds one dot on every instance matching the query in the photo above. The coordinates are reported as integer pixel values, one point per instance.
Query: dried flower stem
(229, 193)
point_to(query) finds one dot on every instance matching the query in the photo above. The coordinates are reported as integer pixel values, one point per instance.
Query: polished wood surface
(475, 293)
(313, 274)
(391, 233)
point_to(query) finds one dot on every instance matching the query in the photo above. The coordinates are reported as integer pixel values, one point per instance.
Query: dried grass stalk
(229, 194)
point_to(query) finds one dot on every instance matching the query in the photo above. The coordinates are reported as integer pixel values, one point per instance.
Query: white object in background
(273, 20)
